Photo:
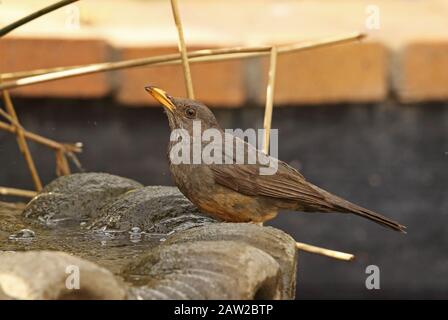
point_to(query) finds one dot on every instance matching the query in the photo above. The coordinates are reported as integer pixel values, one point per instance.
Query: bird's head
(183, 112)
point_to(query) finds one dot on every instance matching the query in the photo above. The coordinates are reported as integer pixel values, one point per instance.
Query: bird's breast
(196, 182)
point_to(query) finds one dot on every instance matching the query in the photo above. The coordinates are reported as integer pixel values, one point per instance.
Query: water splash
(135, 234)
(24, 234)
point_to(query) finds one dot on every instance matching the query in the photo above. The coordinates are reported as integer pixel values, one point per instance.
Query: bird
(237, 192)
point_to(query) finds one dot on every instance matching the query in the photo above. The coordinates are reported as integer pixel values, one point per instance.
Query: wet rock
(177, 252)
(153, 209)
(77, 196)
(24, 234)
(11, 218)
(274, 242)
(50, 275)
(206, 270)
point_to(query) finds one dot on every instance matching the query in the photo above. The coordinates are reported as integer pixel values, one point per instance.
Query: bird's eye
(190, 113)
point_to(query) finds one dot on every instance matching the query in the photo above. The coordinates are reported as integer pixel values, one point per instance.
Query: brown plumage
(237, 192)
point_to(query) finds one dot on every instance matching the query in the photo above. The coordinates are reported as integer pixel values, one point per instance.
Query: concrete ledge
(22, 54)
(411, 45)
(423, 74)
(217, 83)
(350, 73)
(346, 73)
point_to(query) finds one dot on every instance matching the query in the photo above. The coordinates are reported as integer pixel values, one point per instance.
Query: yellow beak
(161, 97)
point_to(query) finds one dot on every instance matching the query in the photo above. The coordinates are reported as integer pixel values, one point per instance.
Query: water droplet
(135, 234)
(135, 230)
(24, 234)
(47, 220)
(135, 240)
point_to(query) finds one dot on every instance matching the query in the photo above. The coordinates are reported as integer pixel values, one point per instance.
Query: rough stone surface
(10, 218)
(275, 242)
(155, 209)
(43, 274)
(78, 195)
(208, 270)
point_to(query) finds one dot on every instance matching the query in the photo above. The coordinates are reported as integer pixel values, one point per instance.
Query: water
(111, 249)
(23, 235)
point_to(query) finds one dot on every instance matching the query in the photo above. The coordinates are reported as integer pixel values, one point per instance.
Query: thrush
(237, 192)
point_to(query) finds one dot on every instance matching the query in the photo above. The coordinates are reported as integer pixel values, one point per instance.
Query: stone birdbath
(100, 236)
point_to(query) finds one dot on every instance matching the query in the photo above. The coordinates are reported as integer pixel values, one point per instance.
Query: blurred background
(367, 121)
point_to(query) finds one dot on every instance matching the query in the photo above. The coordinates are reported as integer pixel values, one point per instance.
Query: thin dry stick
(23, 145)
(195, 56)
(45, 141)
(267, 129)
(75, 161)
(325, 252)
(5, 115)
(269, 99)
(62, 167)
(205, 55)
(34, 15)
(148, 61)
(36, 72)
(42, 140)
(183, 49)
(111, 66)
(17, 192)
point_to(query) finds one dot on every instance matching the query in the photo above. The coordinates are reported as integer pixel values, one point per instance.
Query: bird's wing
(286, 183)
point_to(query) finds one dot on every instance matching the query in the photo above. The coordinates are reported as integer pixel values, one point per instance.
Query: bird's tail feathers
(338, 204)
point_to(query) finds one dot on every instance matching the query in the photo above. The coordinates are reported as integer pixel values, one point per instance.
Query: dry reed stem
(147, 61)
(42, 140)
(269, 99)
(36, 72)
(45, 141)
(182, 49)
(75, 161)
(5, 115)
(62, 167)
(324, 252)
(7, 29)
(4, 191)
(194, 57)
(21, 141)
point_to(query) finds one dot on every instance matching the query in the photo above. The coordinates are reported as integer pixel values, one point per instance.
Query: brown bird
(237, 192)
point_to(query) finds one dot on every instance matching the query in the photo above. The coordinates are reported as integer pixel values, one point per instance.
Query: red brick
(22, 54)
(215, 83)
(342, 73)
(423, 72)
